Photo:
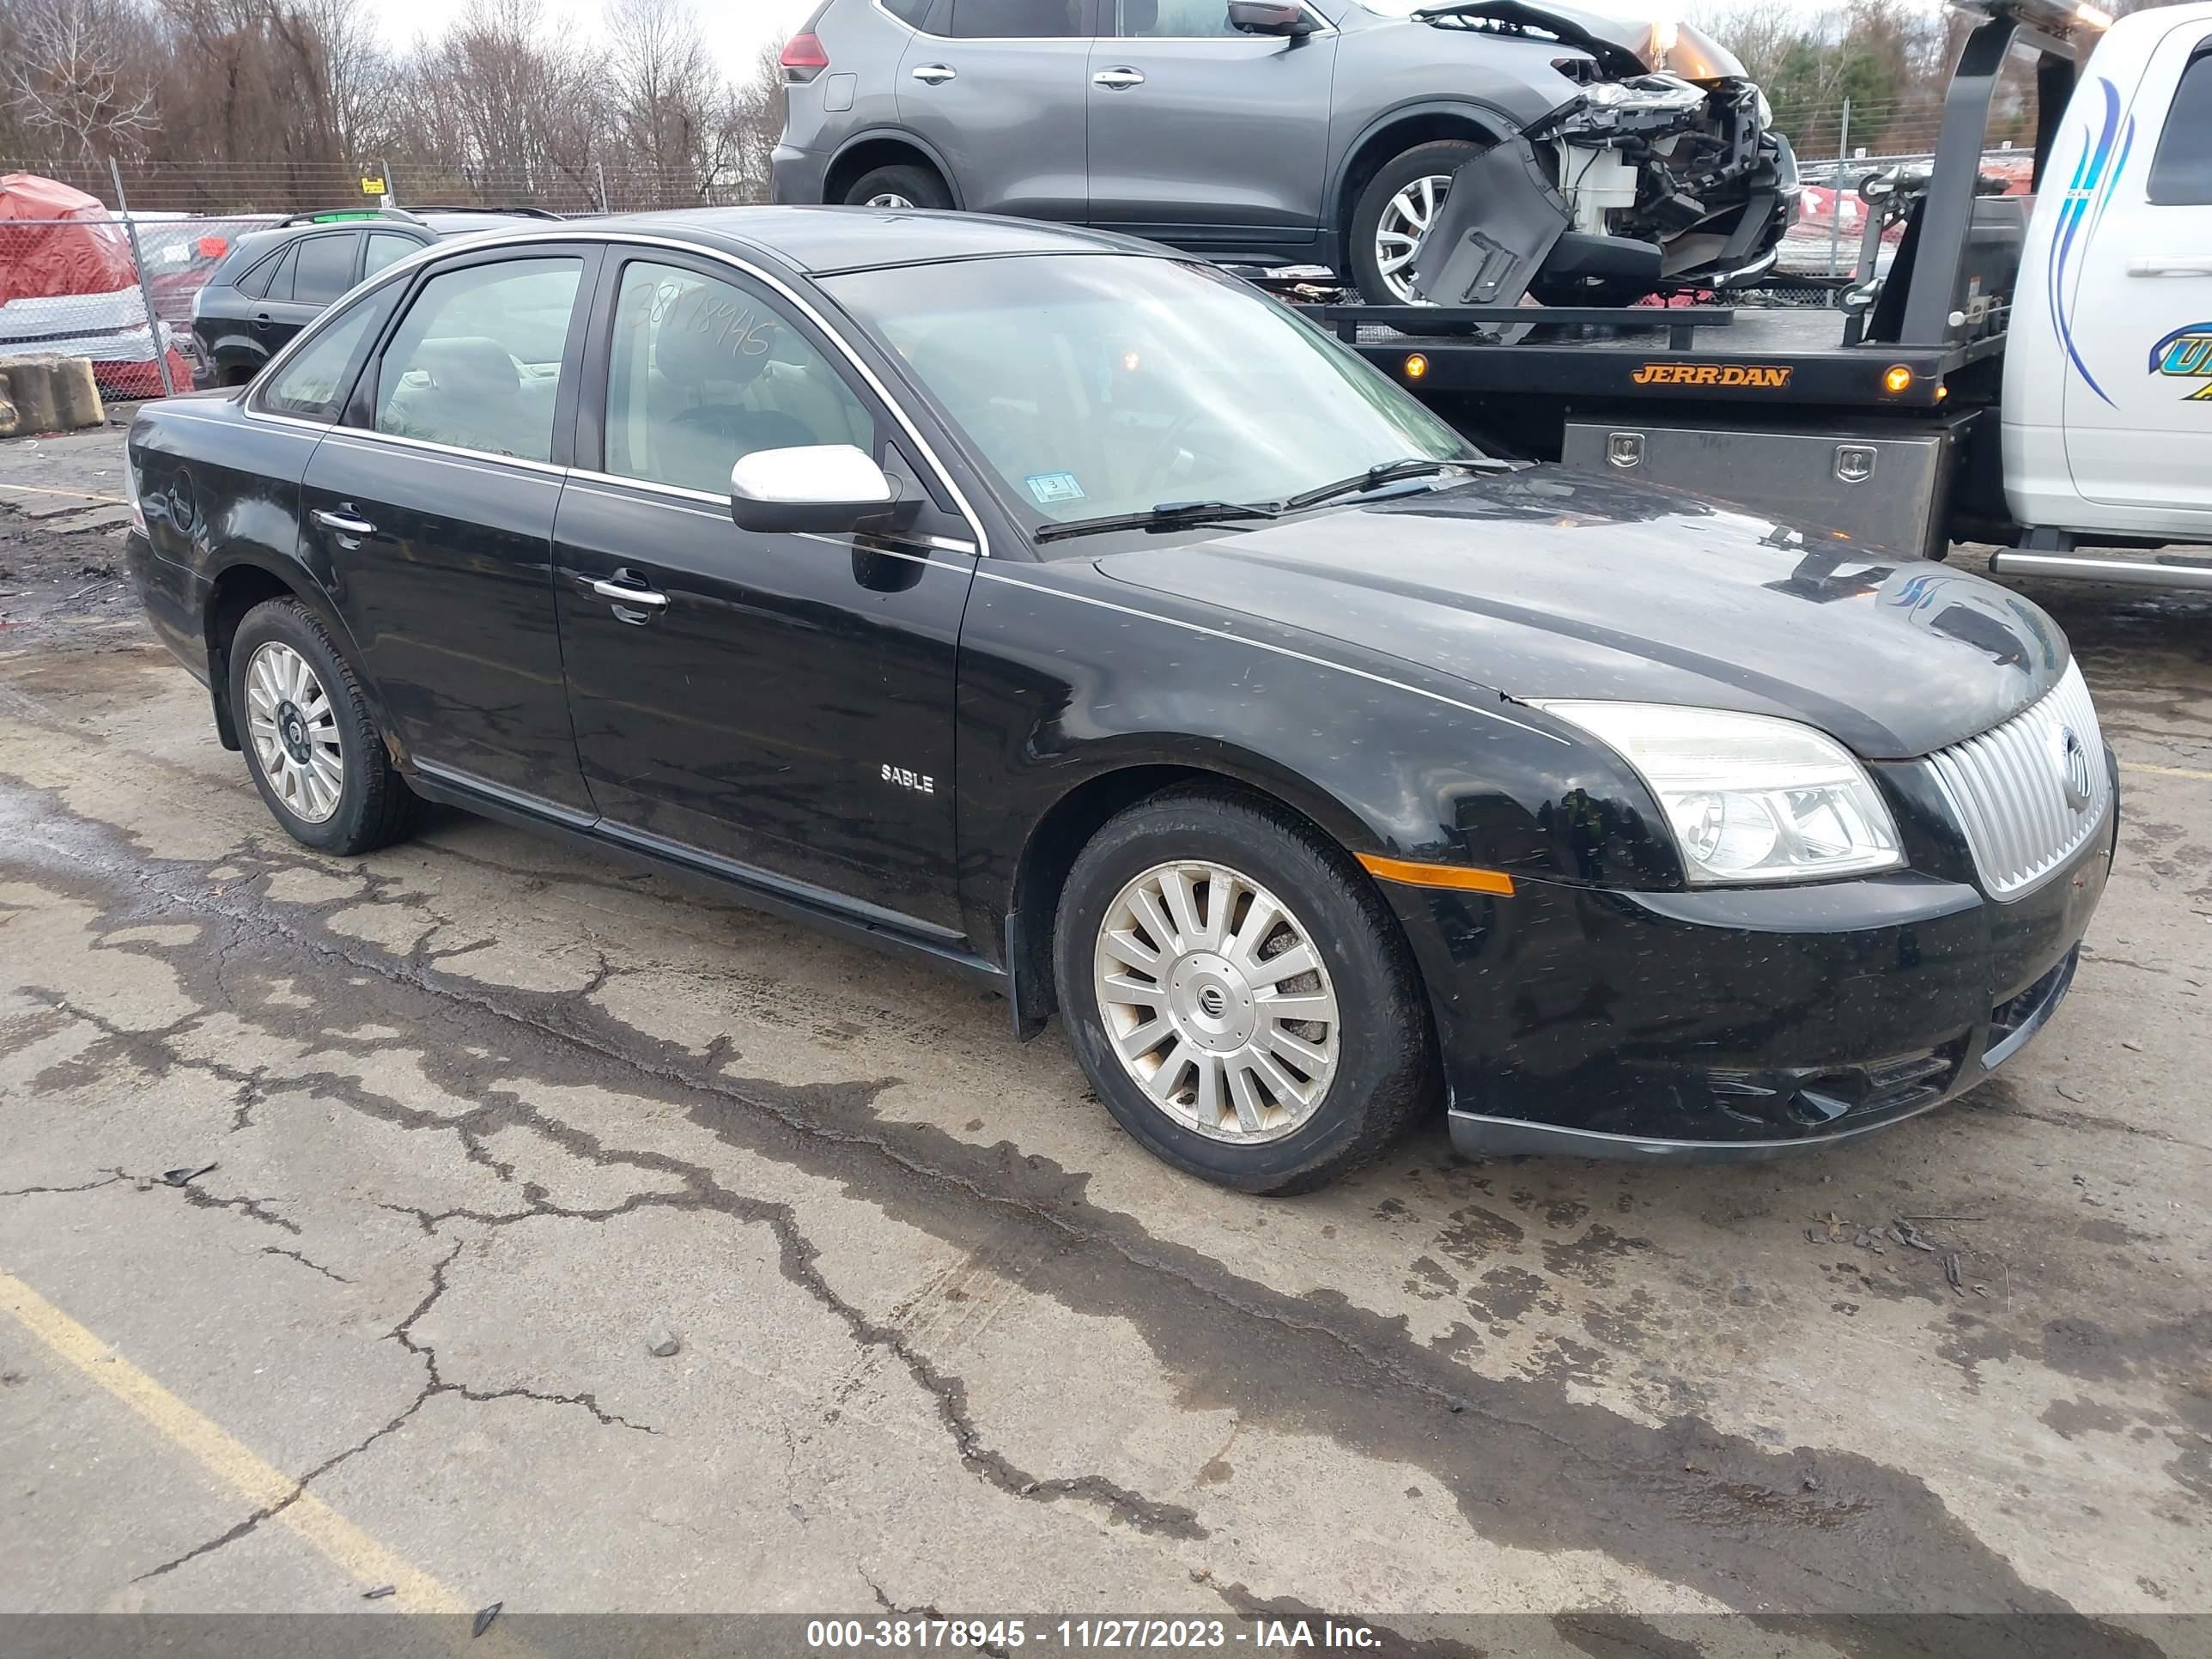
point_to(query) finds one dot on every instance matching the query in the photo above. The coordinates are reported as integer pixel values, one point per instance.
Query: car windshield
(1097, 386)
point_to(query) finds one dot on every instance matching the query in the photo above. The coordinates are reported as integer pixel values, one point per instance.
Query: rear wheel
(315, 753)
(901, 186)
(1238, 996)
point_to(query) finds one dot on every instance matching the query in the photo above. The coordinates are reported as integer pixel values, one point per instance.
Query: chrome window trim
(475, 459)
(680, 498)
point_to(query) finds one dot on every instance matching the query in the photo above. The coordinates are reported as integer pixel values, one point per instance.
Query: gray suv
(1280, 132)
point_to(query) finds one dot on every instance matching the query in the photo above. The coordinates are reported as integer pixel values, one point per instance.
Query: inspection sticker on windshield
(1050, 488)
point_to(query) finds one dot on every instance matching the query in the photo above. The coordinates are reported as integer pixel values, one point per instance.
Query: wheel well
(238, 375)
(1376, 151)
(236, 592)
(869, 154)
(1059, 838)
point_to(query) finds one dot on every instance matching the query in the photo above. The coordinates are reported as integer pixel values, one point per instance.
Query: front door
(997, 89)
(431, 511)
(1201, 134)
(780, 703)
(2138, 301)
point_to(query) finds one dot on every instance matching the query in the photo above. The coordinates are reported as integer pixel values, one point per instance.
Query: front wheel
(1238, 996)
(1394, 214)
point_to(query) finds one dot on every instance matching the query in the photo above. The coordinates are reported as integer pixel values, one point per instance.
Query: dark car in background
(1072, 615)
(273, 283)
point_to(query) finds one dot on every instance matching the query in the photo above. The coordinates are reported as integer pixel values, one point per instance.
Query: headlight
(1749, 797)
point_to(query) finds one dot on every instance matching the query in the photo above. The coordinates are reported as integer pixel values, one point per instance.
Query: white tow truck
(2031, 372)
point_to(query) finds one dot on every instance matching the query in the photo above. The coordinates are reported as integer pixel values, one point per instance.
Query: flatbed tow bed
(1884, 420)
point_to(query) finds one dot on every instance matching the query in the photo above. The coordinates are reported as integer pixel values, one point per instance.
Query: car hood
(1545, 584)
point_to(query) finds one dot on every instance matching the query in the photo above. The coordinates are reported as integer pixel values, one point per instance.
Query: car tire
(1439, 159)
(313, 750)
(896, 187)
(1356, 1081)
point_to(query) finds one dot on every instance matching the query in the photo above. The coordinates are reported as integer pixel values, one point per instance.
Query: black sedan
(1057, 607)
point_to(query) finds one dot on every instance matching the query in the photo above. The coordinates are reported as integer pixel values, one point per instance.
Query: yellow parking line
(260, 1484)
(2166, 771)
(74, 494)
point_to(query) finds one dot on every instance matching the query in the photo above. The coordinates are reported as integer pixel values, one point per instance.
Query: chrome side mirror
(823, 488)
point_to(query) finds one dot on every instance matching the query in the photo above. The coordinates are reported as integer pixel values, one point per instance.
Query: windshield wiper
(1168, 515)
(1374, 478)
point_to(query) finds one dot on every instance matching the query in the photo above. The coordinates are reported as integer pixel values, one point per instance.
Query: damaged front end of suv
(1660, 171)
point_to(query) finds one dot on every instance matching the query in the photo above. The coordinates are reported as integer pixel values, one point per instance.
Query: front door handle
(344, 523)
(935, 74)
(1118, 79)
(628, 592)
(2175, 265)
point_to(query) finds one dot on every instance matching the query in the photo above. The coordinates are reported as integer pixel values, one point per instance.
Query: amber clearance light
(1898, 380)
(1416, 365)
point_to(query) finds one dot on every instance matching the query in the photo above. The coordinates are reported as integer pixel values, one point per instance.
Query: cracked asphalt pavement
(379, 1179)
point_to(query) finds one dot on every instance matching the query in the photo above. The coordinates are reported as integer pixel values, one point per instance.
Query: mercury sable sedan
(1048, 603)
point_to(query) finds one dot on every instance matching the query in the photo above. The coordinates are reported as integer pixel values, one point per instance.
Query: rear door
(313, 271)
(2137, 313)
(1201, 134)
(430, 511)
(997, 87)
(783, 702)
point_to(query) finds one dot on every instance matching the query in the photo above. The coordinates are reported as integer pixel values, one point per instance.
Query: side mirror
(1270, 17)
(823, 488)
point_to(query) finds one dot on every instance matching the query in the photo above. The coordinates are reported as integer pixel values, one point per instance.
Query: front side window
(325, 269)
(1016, 20)
(313, 382)
(475, 363)
(1177, 20)
(2182, 174)
(701, 372)
(1104, 385)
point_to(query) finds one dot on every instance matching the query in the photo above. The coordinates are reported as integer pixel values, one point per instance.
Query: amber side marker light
(1898, 380)
(1456, 877)
(1416, 365)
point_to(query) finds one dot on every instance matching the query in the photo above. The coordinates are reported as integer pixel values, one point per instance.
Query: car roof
(824, 240)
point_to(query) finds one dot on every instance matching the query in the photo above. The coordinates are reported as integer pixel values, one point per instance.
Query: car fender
(1490, 120)
(912, 141)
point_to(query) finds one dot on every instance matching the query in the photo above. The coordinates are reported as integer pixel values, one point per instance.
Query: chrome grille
(2009, 787)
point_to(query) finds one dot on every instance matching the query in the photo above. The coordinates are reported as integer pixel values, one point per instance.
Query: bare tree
(78, 75)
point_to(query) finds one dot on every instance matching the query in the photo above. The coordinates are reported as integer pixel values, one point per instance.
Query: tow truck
(2034, 374)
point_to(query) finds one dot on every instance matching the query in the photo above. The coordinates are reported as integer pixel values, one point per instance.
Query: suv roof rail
(478, 207)
(341, 215)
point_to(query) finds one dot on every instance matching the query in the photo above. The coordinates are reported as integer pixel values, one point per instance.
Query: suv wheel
(1238, 995)
(315, 753)
(898, 187)
(1395, 212)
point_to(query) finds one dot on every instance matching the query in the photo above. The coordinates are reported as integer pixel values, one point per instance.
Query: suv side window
(2182, 174)
(311, 386)
(279, 286)
(701, 372)
(386, 247)
(1016, 20)
(908, 12)
(254, 285)
(1175, 19)
(475, 363)
(324, 269)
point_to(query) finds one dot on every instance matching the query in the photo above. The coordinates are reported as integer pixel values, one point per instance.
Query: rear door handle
(2176, 265)
(343, 523)
(1118, 79)
(936, 73)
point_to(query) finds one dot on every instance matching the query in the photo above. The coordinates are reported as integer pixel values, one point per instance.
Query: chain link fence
(117, 292)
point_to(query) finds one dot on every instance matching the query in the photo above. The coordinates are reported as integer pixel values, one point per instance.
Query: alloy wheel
(294, 733)
(1406, 220)
(1216, 1002)
(889, 198)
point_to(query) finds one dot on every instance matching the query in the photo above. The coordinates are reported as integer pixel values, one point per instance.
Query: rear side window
(255, 283)
(324, 268)
(1016, 20)
(279, 283)
(385, 247)
(475, 363)
(2182, 174)
(909, 12)
(312, 383)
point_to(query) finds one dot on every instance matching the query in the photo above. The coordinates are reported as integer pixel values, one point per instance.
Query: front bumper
(1738, 1023)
